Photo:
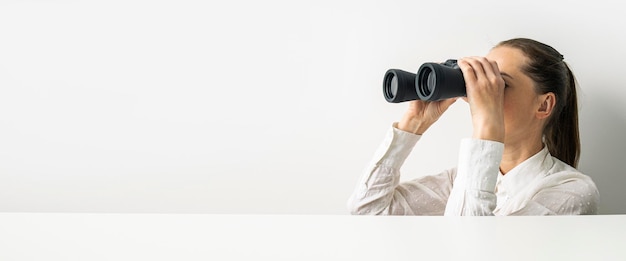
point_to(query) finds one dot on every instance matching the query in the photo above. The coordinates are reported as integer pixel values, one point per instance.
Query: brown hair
(551, 74)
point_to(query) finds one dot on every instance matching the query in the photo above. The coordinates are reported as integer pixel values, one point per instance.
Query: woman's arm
(479, 158)
(473, 192)
(379, 191)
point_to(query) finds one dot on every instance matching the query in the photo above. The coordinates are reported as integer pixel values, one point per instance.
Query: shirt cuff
(396, 147)
(479, 163)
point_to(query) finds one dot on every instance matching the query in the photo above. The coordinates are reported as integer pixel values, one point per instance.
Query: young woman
(521, 159)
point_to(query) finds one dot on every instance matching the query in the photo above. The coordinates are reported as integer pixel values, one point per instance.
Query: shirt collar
(521, 175)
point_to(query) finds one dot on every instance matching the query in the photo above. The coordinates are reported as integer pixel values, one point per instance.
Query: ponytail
(561, 134)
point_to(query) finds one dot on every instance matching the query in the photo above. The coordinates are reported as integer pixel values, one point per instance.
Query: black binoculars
(433, 82)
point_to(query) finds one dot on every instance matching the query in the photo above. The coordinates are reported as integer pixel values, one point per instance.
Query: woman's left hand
(485, 95)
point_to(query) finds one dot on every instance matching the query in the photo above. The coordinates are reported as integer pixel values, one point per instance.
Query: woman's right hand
(422, 114)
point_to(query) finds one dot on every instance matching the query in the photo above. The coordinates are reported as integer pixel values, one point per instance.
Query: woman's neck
(519, 151)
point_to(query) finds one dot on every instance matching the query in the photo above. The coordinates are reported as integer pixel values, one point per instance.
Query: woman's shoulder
(560, 168)
(576, 191)
(563, 175)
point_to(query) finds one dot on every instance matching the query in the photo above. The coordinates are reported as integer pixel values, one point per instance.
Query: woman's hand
(485, 95)
(422, 114)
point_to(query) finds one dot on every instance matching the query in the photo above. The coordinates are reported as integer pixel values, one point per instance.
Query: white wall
(260, 106)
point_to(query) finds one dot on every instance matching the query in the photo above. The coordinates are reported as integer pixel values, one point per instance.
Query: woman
(523, 152)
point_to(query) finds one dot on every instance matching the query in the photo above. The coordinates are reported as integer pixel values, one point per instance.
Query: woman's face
(520, 99)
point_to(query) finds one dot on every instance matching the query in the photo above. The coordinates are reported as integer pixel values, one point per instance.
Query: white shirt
(541, 185)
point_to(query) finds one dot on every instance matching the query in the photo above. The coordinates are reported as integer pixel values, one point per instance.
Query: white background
(260, 106)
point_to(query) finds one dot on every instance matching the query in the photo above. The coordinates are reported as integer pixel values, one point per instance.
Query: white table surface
(83, 236)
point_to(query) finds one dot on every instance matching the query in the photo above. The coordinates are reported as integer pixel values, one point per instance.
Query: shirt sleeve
(379, 191)
(473, 192)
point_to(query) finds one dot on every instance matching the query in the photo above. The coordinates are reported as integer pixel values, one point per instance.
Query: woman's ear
(547, 102)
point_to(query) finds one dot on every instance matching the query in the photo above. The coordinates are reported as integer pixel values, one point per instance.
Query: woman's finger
(492, 73)
(468, 72)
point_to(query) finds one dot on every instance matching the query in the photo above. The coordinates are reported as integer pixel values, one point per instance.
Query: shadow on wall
(603, 141)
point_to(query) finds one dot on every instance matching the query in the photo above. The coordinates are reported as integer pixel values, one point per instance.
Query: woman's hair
(551, 74)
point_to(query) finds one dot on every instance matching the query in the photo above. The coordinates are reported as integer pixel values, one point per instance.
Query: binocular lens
(431, 82)
(392, 90)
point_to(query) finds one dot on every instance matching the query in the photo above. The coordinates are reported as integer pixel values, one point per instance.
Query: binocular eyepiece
(433, 81)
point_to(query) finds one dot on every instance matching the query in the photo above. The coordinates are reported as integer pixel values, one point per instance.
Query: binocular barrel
(433, 82)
